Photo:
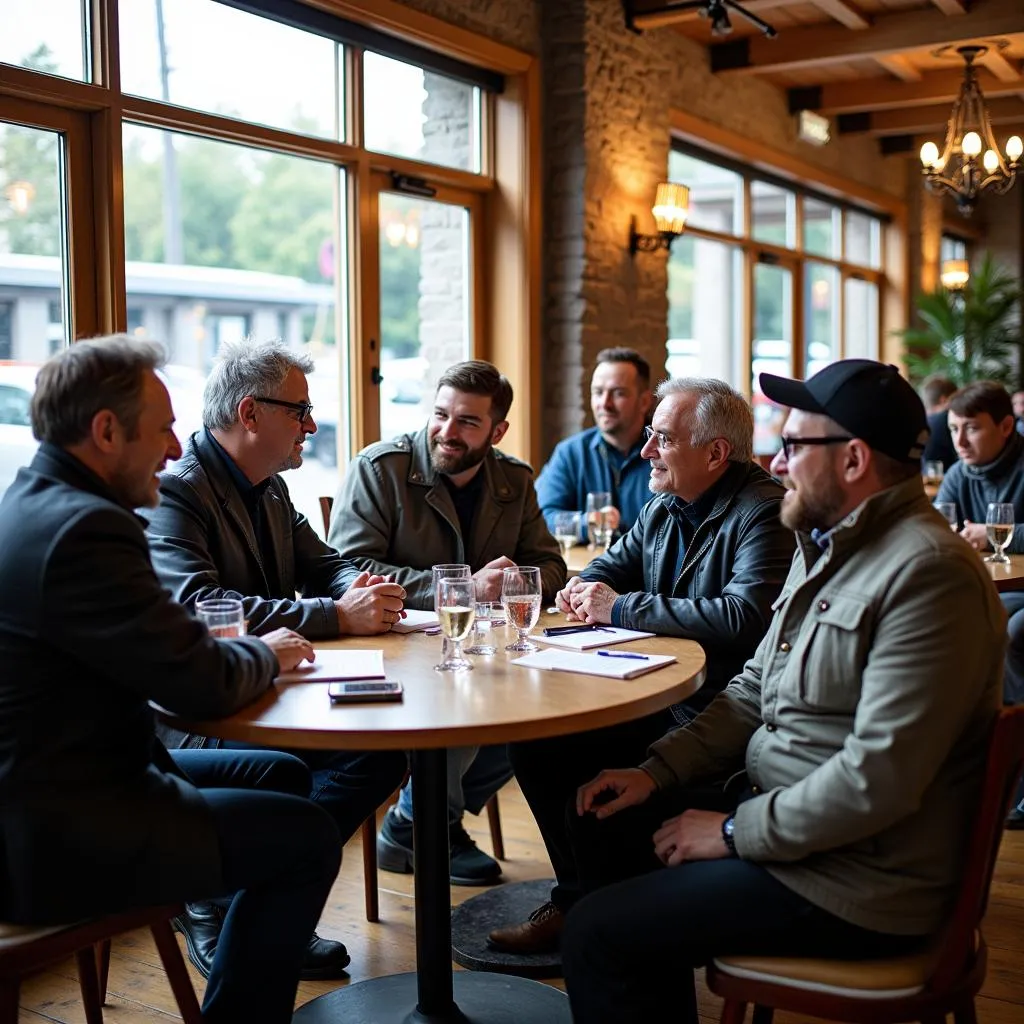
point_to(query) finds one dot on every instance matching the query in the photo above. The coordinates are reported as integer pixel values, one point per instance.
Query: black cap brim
(793, 394)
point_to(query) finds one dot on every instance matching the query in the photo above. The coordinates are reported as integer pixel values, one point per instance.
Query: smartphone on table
(368, 690)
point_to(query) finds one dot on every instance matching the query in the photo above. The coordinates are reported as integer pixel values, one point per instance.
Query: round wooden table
(497, 702)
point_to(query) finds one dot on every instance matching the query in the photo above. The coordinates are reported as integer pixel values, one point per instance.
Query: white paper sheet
(592, 638)
(331, 665)
(613, 666)
(414, 621)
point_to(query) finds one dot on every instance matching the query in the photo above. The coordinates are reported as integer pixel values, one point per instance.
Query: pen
(618, 654)
(582, 628)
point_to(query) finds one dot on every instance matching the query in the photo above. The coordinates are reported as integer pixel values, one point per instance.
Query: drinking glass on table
(520, 594)
(223, 616)
(947, 509)
(933, 473)
(999, 529)
(488, 615)
(456, 608)
(447, 570)
(598, 533)
(567, 531)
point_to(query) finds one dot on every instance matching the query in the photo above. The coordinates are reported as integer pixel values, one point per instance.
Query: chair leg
(369, 832)
(177, 975)
(102, 951)
(494, 820)
(763, 1014)
(733, 1011)
(88, 982)
(10, 988)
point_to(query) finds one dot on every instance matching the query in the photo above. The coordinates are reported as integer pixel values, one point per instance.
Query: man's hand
(369, 607)
(614, 790)
(612, 517)
(692, 835)
(289, 648)
(975, 535)
(488, 579)
(592, 603)
(563, 599)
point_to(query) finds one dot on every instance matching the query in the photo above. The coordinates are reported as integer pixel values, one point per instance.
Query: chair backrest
(1003, 768)
(326, 504)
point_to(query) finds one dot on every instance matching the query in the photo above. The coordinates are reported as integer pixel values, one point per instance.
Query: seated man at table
(226, 527)
(862, 721)
(991, 469)
(704, 561)
(936, 392)
(606, 458)
(447, 494)
(96, 817)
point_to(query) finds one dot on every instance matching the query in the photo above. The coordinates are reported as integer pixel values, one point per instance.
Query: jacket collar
(1003, 464)
(715, 501)
(423, 474)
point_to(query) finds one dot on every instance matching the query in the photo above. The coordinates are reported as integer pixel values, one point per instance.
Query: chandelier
(958, 170)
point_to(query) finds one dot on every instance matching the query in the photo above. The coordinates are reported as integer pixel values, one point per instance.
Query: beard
(453, 464)
(132, 491)
(817, 506)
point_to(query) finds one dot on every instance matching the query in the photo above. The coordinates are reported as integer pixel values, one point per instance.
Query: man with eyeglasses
(861, 722)
(705, 560)
(226, 527)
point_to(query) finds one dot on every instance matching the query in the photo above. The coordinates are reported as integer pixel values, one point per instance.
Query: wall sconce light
(671, 206)
(955, 274)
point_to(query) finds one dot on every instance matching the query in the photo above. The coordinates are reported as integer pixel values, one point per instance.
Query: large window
(768, 276)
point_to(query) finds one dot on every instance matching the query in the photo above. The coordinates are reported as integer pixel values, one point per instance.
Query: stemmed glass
(567, 531)
(520, 594)
(456, 608)
(598, 533)
(448, 570)
(947, 509)
(999, 528)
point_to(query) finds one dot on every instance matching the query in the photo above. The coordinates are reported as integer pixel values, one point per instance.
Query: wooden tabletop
(1007, 577)
(580, 557)
(495, 703)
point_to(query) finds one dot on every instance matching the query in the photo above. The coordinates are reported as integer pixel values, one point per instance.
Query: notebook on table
(338, 665)
(414, 621)
(611, 665)
(601, 637)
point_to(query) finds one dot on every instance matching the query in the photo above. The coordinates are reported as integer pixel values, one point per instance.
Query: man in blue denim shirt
(606, 457)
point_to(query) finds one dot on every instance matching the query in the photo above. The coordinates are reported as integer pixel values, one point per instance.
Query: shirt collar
(248, 490)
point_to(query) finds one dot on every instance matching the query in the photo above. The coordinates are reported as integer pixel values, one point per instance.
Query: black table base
(511, 903)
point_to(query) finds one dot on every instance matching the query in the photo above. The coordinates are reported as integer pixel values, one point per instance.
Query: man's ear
(247, 413)
(718, 453)
(646, 402)
(856, 461)
(105, 431)
(499, 431)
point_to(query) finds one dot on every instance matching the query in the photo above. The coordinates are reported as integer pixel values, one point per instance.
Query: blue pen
(617, 654)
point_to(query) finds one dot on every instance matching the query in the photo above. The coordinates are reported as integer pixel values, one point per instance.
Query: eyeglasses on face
(303, 410)
(790, 444)
(663, 441)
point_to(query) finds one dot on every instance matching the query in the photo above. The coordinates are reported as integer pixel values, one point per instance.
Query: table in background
(495, 703)
(580, 557)
(1007, 577)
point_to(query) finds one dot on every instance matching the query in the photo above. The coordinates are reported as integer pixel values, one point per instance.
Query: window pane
(772, 349)
(419, 114)
(772, 213)
(33, 274)
(821, 316)
(716, 194)
(863, 239)
(952, 249)
(861, 319)
(703, 303)
(45, 35)
(214, 58)
(424, 304)
(241, 243)
(821, 228)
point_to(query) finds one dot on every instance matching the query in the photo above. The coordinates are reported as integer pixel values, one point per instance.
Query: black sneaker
(394, 844)
(1015, 820)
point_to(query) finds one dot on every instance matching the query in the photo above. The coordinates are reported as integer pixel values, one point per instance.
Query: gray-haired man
(226, 527)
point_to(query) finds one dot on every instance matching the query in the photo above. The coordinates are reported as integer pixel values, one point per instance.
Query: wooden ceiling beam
(817, 46)
(923, 120)
(900, 66)
(885, 94)
(951, 7)
(648, 14)
(994, 60)
(843, 13)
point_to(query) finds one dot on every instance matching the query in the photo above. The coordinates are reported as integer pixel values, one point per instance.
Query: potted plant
(968, 334)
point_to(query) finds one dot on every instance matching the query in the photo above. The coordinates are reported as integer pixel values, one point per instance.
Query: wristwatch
(728, 834)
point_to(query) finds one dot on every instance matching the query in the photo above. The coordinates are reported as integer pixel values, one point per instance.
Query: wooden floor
(138, 991)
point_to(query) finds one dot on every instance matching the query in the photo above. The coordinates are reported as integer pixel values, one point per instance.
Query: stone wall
(512, 22)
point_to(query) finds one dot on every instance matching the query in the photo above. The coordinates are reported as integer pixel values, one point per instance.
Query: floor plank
(138, 992)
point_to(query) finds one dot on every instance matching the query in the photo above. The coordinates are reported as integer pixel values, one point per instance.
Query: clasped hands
(692, 835)
(586, 602)
(975, 535)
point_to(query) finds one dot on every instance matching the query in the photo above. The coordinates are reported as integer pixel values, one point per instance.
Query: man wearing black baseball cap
(862, 720)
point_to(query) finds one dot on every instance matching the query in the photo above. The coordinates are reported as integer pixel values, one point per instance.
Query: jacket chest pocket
(834, 652)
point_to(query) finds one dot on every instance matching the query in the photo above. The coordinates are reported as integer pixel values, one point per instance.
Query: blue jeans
(475, 774)
(280, 854)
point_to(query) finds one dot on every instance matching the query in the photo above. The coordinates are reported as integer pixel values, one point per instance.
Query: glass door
(773, 320)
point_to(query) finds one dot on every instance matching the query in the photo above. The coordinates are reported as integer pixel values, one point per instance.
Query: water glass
(488, 615)
(567, 531)
(223, 617)
(947, 509)
(520, 594)
(456, 570)
(598, 533)
(456, 608)
(999, 529)
(933, 473)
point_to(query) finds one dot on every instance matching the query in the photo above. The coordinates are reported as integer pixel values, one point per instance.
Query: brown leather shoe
(540, 933)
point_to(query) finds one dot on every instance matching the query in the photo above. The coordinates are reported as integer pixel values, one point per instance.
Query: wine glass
(567, 531)
(947, 509)
(456, 608)
(457, 570)
(520, 594)
(933, 473)
(597, 531)
(999, 528)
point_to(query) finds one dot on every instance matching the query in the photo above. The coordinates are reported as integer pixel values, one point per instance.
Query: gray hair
(247, 368)
(88, 377)
(721, 412)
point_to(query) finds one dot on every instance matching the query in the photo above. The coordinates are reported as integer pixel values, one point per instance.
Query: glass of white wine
(567, 531)
(520, 594)
(440, 572)
(999, 529)
(456, 609)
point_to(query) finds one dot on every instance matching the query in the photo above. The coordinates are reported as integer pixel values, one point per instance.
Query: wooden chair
(24, 950)
(368, 830)
(925, 986)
